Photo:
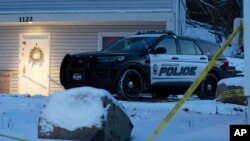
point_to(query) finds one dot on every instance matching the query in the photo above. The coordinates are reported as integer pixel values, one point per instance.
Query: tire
(208, 87)
(130, 84)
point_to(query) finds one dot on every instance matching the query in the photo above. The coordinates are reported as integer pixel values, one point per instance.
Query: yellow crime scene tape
(231, 93)
(12, 137)
(194, 85)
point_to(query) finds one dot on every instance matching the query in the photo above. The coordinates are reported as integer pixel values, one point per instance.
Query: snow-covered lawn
(198, 120)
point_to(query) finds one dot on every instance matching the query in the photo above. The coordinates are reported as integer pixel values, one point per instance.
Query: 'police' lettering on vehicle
(173, 71)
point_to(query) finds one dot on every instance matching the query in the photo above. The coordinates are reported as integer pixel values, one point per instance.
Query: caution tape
(194, 85)
(12, 137)
(231, 93)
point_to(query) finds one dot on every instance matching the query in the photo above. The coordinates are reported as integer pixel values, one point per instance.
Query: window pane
(107, 41)
(198, 50)
(187, 47)
(169, 44)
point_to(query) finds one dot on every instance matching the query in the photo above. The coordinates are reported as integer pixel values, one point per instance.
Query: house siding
(81, 5)
(64, 39)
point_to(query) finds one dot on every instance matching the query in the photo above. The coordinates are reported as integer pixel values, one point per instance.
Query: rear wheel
(130, 84)
(208, 87)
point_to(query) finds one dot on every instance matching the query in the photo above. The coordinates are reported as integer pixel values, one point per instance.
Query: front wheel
(130, 84)
(208, 87)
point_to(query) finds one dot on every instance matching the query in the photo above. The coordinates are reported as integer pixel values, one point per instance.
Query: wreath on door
(36, 54)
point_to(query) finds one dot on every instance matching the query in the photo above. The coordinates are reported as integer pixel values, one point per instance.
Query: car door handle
(175, 58)
(203, 58)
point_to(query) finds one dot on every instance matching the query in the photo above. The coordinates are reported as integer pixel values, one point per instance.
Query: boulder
(227, 93)
(84, 113)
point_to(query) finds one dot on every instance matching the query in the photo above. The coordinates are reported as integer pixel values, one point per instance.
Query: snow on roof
(75, 108)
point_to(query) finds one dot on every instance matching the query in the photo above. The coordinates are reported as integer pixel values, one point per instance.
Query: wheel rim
(209, 87)
(132, 85)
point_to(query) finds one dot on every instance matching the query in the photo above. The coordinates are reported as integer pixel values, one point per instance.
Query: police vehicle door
(165, 68)
(191, 60)
(177, 65)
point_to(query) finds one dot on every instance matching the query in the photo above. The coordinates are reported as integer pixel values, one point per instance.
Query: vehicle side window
(169, 44)
(188, 47)
(198, 50)
(211, 48)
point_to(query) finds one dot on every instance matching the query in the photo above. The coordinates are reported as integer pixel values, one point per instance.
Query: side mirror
(160, 50)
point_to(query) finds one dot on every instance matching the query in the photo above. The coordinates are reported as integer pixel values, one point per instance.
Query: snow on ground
(196, 120)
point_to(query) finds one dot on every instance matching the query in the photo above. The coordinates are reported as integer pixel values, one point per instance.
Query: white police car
(157, 62)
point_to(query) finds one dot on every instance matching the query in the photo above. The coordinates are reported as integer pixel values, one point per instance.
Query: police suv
(158, 62)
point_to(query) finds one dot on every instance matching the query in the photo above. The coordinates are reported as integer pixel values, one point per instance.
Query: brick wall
(5, 82)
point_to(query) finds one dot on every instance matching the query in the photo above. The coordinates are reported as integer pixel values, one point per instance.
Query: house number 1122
(25, 19)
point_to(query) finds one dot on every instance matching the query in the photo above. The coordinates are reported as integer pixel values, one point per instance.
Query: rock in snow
(84, 113)
(230, 90)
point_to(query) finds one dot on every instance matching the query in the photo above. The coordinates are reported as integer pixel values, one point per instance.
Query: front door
(34, 60)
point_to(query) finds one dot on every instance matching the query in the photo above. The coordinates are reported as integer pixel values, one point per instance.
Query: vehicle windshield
(132, 44)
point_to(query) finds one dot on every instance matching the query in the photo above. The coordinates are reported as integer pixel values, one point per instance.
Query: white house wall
(79, 5)
(64, 39)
